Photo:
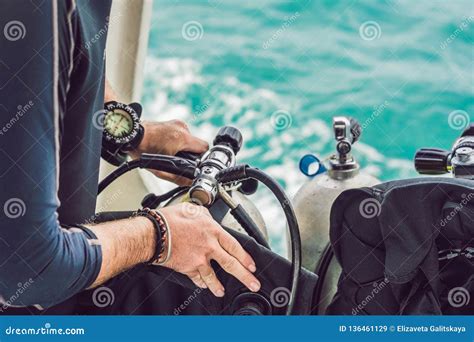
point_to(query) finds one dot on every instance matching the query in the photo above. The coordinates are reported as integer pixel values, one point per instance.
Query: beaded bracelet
(167, 238)
(161, 230)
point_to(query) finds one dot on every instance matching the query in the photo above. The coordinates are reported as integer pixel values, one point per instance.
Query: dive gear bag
(405, 247)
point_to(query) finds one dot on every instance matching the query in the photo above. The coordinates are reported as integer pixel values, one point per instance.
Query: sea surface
(280, 70)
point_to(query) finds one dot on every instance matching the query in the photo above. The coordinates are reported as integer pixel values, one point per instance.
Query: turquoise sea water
(279, 70)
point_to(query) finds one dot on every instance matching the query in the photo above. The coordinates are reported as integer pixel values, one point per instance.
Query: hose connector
(233, 174)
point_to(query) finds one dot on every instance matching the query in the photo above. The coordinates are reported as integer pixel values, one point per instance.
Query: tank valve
(346, 132)
(459, 160)
(341, 165)
(221, 156)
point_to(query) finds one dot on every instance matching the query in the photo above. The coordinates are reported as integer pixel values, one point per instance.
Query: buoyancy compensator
(406, 246)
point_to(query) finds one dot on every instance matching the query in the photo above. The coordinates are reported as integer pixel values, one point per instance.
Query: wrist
(162, 235)
(145, 143)
(150, 235)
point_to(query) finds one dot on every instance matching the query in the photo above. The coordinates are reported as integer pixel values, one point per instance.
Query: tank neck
(342, 169)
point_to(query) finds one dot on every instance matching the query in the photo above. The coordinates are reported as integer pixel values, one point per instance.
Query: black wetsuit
(51, 83)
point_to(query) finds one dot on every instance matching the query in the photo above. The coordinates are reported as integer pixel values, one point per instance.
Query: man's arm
(196, 240)
(165, 137)
(35, 249)
(109, 93)
(125, 243)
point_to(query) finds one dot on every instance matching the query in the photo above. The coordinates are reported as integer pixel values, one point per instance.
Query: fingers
(233, 247)
(210, 279)
(190, 142)
(194, 144)
(232, 266)
(197, 280)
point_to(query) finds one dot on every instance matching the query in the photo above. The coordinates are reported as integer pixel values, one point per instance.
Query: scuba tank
(314, 199)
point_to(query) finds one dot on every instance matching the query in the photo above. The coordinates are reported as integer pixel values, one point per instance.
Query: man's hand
(169, 137)
(196, 240)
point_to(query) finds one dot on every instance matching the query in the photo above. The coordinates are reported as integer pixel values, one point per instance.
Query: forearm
(124, 244)
(109, 93)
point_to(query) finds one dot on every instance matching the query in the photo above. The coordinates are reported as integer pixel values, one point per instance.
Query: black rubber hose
(295, 239)
(106, 216)
(321, 270)
(249, 225)
(152, 201)
(172, 164)
(124, 168)
(175, 165)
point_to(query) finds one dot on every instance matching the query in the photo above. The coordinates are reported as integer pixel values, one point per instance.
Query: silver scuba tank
(313, 201)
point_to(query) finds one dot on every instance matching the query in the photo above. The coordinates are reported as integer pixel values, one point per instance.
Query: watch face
(118, 123)
(121, 123)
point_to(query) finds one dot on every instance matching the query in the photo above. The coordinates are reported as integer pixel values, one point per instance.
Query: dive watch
(122, 131)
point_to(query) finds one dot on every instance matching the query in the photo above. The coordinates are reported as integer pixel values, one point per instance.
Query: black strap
(321, 271)
(219, 210)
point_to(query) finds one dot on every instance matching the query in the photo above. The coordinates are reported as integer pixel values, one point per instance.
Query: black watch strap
(114, 153)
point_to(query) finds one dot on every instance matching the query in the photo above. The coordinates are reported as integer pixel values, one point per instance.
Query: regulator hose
(183, 167)
(321, 270)
(124, 168)
(243, 218)
(241, 172)
(178, 166)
